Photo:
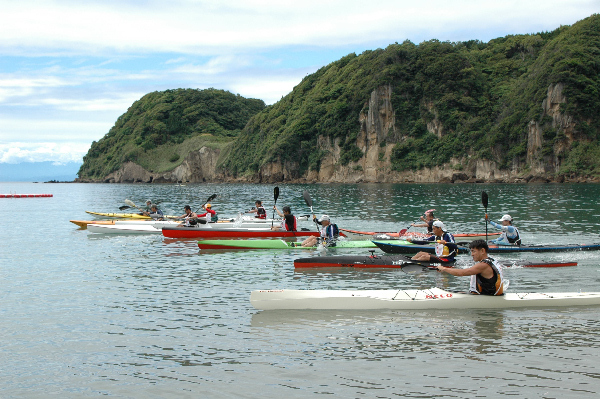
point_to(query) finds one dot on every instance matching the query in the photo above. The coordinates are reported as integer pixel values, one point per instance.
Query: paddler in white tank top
(486, 274)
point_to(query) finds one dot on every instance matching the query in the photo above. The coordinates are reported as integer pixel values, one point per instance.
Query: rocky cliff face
(199, 166)
(377, 137)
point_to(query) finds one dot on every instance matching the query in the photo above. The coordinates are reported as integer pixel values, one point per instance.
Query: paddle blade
(130, 203)
(276, 193)
(307, 199)
(413, 268)
(484, 199)
(122, 208)
(212, 197)
(402, 232)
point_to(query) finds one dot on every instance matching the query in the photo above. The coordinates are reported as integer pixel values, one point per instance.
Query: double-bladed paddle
(212, 197)
(122, 208)
(275, 196)
(132, 205)
(309, 202)
(484, 202)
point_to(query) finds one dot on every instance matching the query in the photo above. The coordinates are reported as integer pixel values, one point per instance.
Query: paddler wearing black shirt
(486, 274)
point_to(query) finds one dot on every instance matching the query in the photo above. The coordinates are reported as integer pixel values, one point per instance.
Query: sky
(70, 68)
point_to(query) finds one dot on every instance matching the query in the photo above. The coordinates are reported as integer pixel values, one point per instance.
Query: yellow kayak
(119, 215)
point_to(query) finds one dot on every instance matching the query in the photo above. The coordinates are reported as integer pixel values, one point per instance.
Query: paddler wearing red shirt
(259, 209)
(212, 214)
(289, 222)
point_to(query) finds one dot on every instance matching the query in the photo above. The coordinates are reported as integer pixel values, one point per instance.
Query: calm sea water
(85, 315)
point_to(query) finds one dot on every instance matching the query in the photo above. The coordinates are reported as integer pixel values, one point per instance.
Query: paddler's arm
(277, 210)
(476, 269)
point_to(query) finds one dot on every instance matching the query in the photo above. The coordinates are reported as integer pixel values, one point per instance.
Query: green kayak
(274, 244)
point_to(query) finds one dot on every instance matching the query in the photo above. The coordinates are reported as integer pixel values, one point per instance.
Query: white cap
(506, 217)
(439, 224)
(324, 217)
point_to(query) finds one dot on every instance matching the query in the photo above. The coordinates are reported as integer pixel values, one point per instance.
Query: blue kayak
(406, 247)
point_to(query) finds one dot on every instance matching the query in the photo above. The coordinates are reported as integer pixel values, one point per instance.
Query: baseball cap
(324, 217)
(208, 205)
(505, 217)
(439, 224)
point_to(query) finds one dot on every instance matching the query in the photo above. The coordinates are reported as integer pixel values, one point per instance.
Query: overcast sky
(70, 68)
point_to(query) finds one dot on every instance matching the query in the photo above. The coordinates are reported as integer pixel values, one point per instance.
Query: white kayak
(433, 298)
(155, 227)
(124, 228)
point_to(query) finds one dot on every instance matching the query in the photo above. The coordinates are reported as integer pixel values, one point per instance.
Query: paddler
(428, 220)
(445, 248)
(189, 217)
(486, 274)
(510, 234)
(329, 233)
(155, 213)
(210, 215)
(289, 222)
(259, 209)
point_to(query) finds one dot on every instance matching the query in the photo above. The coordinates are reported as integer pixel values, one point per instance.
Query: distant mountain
(38, 171)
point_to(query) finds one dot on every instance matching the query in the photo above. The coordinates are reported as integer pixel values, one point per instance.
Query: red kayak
(194, 232)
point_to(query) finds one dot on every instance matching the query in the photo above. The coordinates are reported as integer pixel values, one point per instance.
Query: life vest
(488, 286)
(513, 240)
(330, 234)
(442, 251)
(261, 212)
(289, 223)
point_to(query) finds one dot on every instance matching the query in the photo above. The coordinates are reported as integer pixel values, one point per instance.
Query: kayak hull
(195, 232)
(433, 298)
(405, 247)
(400, 261)
(123, 229)
(274, 244)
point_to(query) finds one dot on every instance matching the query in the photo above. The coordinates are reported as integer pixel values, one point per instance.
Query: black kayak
(362, 261)
(405, 247)
(402, 261)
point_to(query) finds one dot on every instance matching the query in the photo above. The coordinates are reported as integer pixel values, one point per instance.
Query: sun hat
(439, 224)
(505, 217)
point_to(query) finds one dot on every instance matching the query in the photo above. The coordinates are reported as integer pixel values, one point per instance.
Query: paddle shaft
(275, 196)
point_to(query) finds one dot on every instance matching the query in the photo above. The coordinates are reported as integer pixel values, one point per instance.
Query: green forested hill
(160, 129)
(484, 94)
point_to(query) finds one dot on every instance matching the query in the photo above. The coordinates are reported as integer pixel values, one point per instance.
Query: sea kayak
(401, 261)
(229, 223)
(218, 232)
(274, 244)
(405, 247)
(361, 235)
(124, 229)
(433, 298)
(119, 215)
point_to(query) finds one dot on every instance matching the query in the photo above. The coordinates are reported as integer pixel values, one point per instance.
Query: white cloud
(70, 68)
(39, 152)
(194, 27)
